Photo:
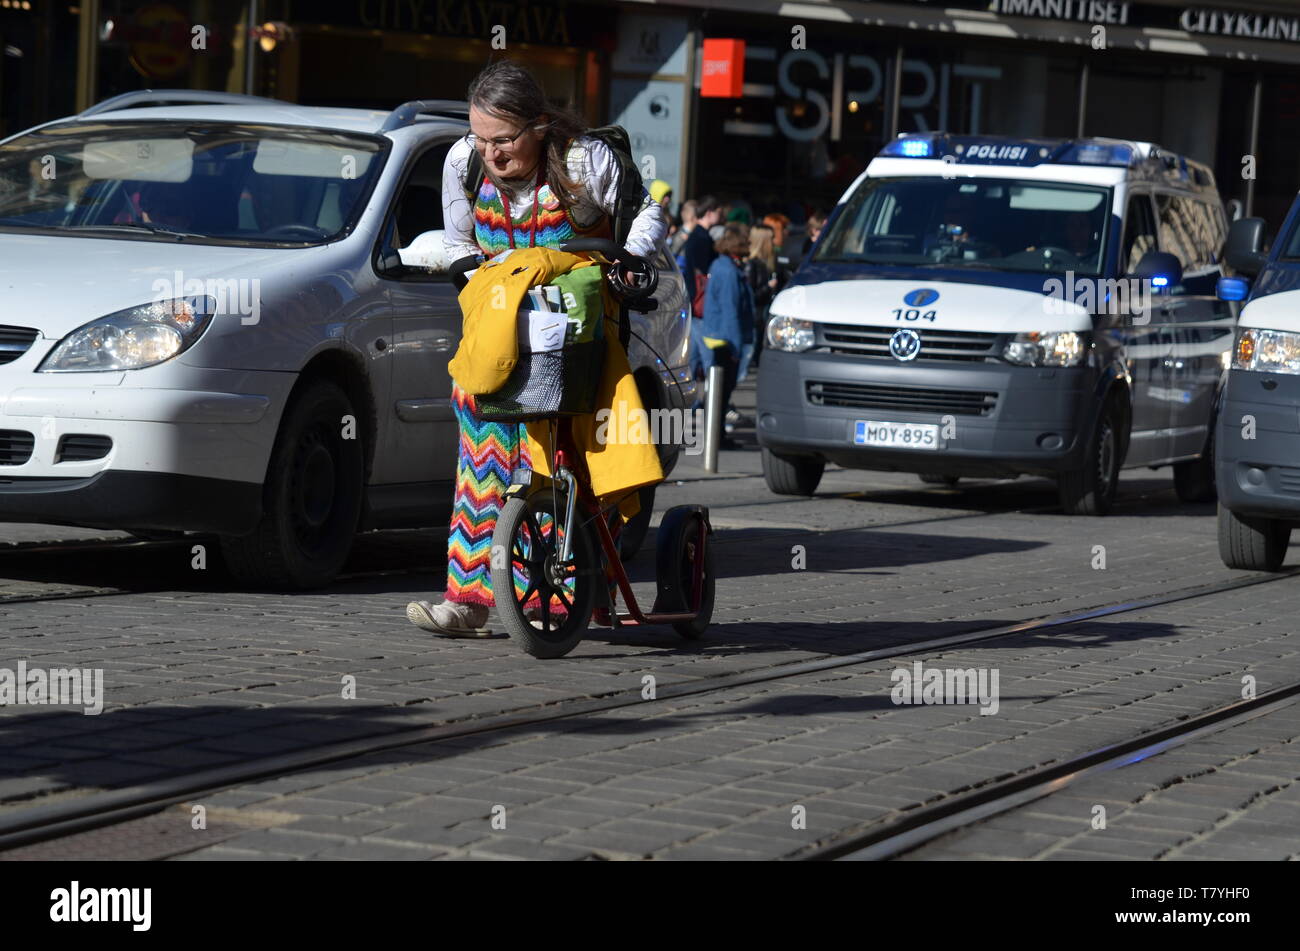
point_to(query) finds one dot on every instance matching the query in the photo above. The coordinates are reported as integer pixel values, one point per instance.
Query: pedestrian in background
(728, 311)
(780, 226)
(683, 232)
(760, 274)
(816, 221)
(697, 258)
(662, 194)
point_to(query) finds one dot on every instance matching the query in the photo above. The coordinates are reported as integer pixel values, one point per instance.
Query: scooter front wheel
(543, 605)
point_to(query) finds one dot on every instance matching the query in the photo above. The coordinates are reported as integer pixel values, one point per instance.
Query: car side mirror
(1161, 268)
(1244, 249)
(428, 251)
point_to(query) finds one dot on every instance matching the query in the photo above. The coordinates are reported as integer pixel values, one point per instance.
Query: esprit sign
(722, 70)
(928, 93)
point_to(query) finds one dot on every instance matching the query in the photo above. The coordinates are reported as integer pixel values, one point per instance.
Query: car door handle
(427, 410)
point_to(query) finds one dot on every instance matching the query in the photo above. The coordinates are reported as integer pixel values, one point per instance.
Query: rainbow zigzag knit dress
(489, 451)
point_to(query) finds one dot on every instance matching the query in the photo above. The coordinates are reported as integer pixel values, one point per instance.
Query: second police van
(1257, 440)
(980, 306)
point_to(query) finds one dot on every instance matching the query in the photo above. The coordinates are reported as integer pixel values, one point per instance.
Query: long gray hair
(506, 90)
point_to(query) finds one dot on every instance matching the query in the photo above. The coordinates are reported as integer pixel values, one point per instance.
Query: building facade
(825, 84)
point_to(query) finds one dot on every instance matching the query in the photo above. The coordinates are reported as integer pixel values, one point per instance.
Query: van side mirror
(1161, 268)
(1244, 249)
(1232, 288)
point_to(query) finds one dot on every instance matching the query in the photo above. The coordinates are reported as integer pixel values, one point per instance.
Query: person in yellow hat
(545, 182)
(662, 193)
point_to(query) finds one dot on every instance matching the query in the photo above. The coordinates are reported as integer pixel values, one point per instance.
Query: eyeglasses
(501, 143)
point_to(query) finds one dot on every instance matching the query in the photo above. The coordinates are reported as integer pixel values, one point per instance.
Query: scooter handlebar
(602, 246)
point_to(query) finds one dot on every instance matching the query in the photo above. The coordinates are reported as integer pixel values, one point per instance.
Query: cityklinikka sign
(1205, 20)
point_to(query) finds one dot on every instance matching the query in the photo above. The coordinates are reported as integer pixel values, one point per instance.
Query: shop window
(988, 90)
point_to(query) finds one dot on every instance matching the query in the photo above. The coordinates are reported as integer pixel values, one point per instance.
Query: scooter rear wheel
(678, 548)
(527, 578)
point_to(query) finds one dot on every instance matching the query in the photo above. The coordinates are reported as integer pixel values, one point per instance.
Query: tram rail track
(73, 814)
(910, 830)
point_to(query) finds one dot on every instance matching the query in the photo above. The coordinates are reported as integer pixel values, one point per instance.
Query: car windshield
(999, 224)
(209, 183)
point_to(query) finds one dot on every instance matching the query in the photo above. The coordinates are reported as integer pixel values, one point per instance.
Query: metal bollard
(713, 411)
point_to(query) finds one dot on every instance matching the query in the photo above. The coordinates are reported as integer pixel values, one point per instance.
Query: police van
(1257, 440)
(980, 306)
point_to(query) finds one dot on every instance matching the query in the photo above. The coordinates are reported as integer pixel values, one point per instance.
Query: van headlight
(1053, 349)
(789, 334)
(134, 338)
(1275, 351)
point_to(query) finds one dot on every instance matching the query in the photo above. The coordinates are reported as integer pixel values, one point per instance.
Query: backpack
(631, 190)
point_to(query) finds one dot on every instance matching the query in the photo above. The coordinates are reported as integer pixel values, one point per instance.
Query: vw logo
(920, 297)
(905, 345)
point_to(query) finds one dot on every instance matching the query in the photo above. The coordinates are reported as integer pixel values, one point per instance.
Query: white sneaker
(450, 618)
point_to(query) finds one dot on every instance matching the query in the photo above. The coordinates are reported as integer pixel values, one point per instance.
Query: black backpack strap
(631, 190)
(474, 175)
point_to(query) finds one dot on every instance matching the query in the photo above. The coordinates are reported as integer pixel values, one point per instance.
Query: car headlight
(1053, 349)
(1275, 351)
(787, 333)
(133, 338)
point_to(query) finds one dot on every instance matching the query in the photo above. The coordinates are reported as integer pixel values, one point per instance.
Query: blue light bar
(1159, 282)
(1094, 153)
(909, 148)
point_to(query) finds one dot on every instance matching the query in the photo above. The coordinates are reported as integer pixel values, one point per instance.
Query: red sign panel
(723, 70)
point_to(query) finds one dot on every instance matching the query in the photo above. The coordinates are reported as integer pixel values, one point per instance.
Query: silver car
(229, 315)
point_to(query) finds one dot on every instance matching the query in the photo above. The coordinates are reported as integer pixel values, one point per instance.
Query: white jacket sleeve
(593, 163)
(457, 211)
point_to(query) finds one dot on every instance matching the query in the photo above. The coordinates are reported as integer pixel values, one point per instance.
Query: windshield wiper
(139, 226)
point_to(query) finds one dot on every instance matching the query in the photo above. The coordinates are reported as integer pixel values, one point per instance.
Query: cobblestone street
(640, 744)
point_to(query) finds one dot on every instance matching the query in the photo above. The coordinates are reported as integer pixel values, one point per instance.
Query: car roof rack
(177, 97)
(408, 112)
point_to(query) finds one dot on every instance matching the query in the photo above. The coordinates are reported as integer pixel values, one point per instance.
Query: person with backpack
(528, 174)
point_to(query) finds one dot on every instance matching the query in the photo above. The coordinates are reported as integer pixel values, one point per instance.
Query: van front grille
(911, 399)
(964, 345)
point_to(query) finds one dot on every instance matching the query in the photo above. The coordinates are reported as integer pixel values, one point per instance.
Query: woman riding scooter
(544, 183)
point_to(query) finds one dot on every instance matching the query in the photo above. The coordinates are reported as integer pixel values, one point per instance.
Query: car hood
(954, 305)
(58, 283)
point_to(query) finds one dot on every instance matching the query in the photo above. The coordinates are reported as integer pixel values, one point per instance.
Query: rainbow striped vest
(554, 223)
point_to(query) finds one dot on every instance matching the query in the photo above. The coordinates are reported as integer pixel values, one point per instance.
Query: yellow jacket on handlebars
(489, 352)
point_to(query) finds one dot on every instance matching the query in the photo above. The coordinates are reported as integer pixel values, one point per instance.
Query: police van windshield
(210, 183)
(998, 224)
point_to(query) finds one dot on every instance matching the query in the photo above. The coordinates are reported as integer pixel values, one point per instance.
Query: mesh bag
(549, 383)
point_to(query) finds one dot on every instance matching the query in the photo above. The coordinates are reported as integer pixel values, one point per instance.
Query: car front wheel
(1090, 490)
(311, 498)
(1252, 544)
